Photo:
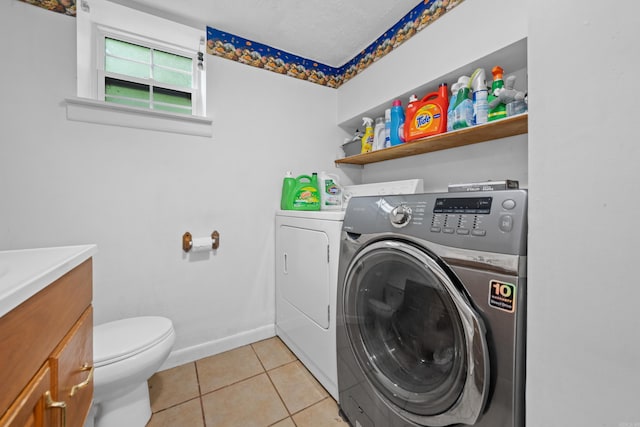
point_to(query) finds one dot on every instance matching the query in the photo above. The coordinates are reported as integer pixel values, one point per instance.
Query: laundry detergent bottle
(397, 123)
(330, 192)
(387, 128)
(462, 112)
(427, 116)
(306, 196)
(286, 199)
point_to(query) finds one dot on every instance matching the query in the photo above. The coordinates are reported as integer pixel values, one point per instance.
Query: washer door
(415, 336)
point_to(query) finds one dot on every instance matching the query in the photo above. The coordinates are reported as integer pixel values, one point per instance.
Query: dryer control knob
(400, 216)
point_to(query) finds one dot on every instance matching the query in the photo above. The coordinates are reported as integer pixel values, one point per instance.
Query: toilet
(126, 353)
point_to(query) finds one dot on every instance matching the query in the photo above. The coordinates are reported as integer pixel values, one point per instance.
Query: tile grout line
(291, 414)
(278, 392)
(273, 385)
(183, 401)
(232, 384)
(204, 419)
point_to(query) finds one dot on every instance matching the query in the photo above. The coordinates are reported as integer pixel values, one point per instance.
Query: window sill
(93, 111)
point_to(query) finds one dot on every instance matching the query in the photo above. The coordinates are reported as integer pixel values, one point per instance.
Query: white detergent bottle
(378, 134)
(478, 85)
(330, 192)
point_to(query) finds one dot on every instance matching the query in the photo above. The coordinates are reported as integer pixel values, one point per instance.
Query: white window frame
(98, 19)
(104, 32)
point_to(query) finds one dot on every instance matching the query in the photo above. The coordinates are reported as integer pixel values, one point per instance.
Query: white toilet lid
(120, 339)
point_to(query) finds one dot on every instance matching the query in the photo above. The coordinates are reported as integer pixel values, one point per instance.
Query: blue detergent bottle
(397, 123)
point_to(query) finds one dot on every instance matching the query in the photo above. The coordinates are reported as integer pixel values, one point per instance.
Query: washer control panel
(475, 220)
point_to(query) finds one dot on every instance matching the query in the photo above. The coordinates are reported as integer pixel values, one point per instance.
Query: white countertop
(23, 273)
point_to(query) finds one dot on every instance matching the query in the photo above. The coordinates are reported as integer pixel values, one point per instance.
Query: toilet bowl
(126, 353)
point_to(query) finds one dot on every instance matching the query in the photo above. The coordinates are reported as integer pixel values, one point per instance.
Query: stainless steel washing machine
(431, 310)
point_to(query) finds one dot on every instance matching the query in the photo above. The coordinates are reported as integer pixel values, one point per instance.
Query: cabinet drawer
(72, 369)
(30, 332)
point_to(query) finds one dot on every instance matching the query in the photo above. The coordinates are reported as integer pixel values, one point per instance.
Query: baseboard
(193, 353)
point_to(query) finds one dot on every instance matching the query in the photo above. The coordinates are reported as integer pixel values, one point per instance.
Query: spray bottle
(367, 138)
(397, 123)
(480, 93)
(378, 134)
(500, 111)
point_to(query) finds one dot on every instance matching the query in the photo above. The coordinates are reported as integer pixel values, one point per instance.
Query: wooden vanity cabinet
(46, 355)
(30, 408)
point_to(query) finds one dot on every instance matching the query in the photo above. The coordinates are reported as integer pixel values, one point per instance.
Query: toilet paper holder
(187, 241)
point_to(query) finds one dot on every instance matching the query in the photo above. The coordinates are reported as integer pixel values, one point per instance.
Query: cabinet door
(30, 409)
(72, 369)
(304, 272)
(31, 331)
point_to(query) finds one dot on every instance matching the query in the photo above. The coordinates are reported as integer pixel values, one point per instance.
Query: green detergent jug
(306, 196)
(288, 185)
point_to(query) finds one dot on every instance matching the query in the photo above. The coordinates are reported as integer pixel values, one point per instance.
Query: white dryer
(307, 253)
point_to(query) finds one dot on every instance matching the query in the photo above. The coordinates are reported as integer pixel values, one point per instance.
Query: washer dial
(400, 216)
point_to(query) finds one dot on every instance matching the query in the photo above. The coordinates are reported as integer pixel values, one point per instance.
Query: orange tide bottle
(427, 116)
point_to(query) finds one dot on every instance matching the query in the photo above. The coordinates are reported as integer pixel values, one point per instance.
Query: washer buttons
(509, 204)
(506, 223)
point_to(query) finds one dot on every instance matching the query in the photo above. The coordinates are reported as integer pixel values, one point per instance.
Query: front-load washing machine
(307, 252)
(431, 310)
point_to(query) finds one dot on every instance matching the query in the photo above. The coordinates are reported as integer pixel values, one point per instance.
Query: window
(146, 77)
(139, 70)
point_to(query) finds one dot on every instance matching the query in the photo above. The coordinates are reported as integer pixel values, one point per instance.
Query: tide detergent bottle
(305, 194)
(427, 116)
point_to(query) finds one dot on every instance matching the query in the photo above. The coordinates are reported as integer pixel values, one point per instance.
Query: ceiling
(331, 32)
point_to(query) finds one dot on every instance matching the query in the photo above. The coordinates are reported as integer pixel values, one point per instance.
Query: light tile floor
(258, 385)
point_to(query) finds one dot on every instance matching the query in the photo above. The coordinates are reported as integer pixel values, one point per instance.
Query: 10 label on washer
(502, 296)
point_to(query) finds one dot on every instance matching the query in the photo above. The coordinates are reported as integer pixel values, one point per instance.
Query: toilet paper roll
(201, 244)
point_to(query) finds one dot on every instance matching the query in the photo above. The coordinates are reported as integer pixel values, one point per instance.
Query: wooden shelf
(516, 125)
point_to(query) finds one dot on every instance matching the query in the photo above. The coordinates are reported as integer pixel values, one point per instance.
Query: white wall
(135, 192)
(583, 337)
